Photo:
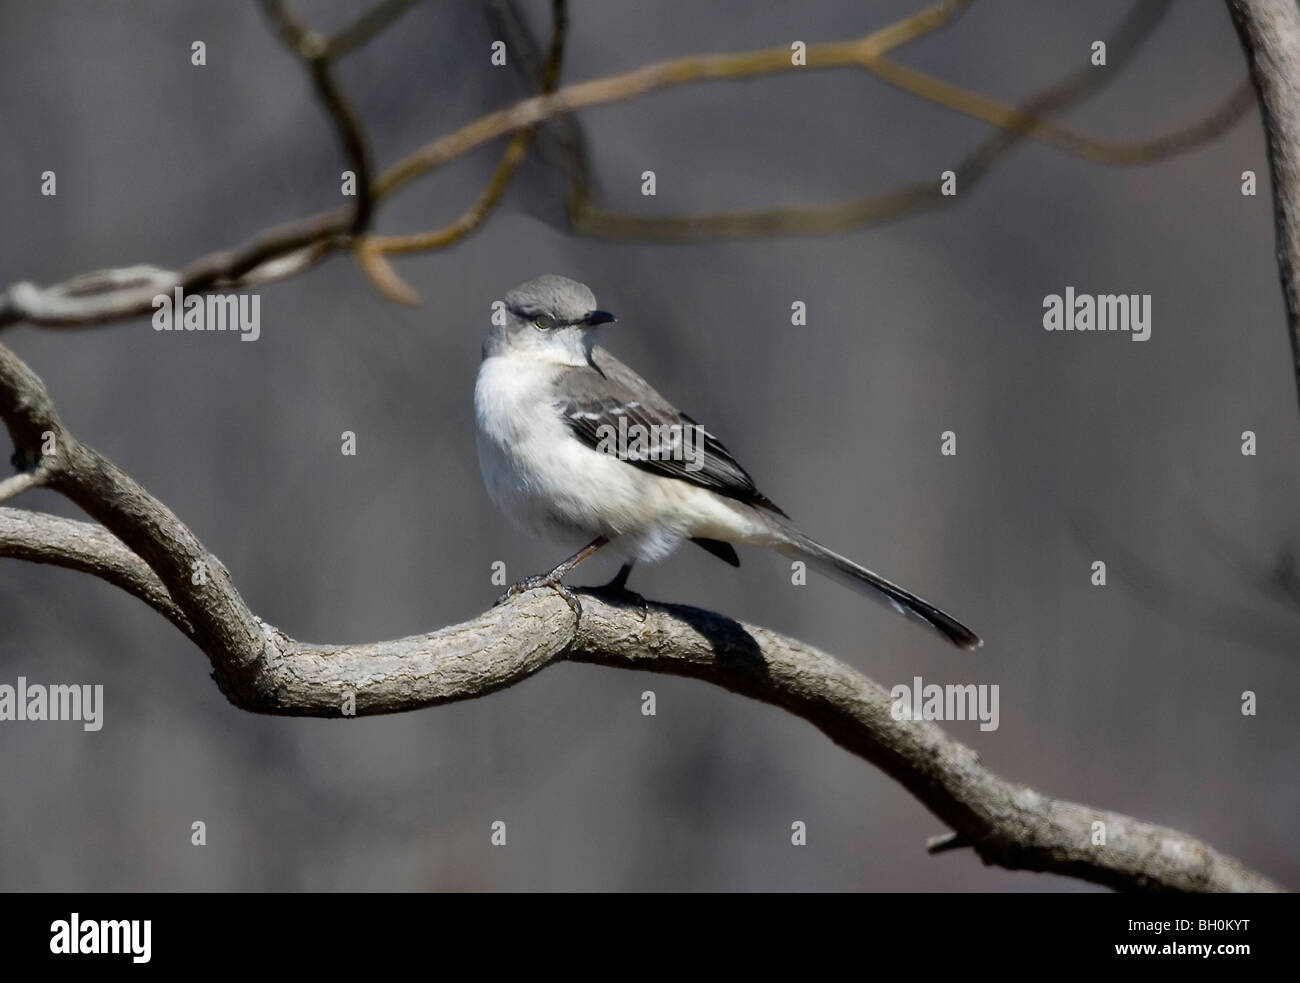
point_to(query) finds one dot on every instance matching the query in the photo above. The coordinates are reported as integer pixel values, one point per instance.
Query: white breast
(548, 481)
(527, 456)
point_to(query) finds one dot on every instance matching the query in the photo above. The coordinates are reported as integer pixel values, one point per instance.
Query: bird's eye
(544, 322)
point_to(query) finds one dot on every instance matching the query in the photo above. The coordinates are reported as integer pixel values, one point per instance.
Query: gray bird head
(551, 316)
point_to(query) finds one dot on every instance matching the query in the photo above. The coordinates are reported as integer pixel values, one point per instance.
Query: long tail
(904, 602)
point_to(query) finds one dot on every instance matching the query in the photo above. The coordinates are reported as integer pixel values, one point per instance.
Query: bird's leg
(619, 584)
(616, 590)
(555, 577)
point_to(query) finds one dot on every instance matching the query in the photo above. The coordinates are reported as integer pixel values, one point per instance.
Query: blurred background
(1071, 448)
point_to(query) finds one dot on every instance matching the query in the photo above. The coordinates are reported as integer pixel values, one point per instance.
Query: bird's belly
(522, 486)
(548, 481)
(576, 494)
(558, 487)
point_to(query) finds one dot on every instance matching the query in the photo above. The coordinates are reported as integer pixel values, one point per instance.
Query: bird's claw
(543, 580)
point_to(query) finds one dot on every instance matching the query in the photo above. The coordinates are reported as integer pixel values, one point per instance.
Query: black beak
(594, 318)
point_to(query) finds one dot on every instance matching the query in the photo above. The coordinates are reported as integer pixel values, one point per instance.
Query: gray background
(1071, 448)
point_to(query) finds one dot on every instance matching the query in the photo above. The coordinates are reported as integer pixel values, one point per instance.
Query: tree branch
(1270, 33)
(316, 53)
(371, 249)
(15, 485)
(125, 292)
(366, 27)
(1007, 824)
(196, 580)
(144, 548)
(84, 546)
(262, 669)
(589, 218)
(867, 52)
(296, 246)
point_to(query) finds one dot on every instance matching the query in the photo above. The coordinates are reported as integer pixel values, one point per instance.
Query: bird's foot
(616, 592)
(543, 580)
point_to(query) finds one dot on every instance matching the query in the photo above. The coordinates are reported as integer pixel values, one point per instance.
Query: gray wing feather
(595, 397)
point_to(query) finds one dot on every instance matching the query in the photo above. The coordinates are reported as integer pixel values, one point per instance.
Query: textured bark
(142, 547)
(1007, 824)
(1270, 33)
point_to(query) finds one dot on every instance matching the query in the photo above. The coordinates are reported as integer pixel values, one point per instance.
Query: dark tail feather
(904, 602)
(723, 551)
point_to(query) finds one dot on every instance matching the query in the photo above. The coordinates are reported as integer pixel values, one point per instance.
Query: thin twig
(560, 140)
(314, 50)
(865, 52)
(274, 254)
(649, 78)
(295, 246)
(1143, 17)
(366, 27)
(946, 842)
(370, 250)
(15, 485)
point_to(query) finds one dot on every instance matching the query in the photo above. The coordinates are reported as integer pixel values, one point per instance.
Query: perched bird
(576, 446)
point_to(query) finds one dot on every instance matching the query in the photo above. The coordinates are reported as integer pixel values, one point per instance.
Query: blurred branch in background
(837, 217)
(318, 53)
(1201, 602)
(867, 53)
(369, 251)
(141, 546)
(289, 249)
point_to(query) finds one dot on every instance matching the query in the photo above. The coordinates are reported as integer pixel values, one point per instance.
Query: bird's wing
(594, 398)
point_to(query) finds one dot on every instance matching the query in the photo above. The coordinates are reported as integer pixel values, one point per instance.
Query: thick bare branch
(196, 580)
(1007, 824)
(145, 549)
(84, 546)
(262, 669)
